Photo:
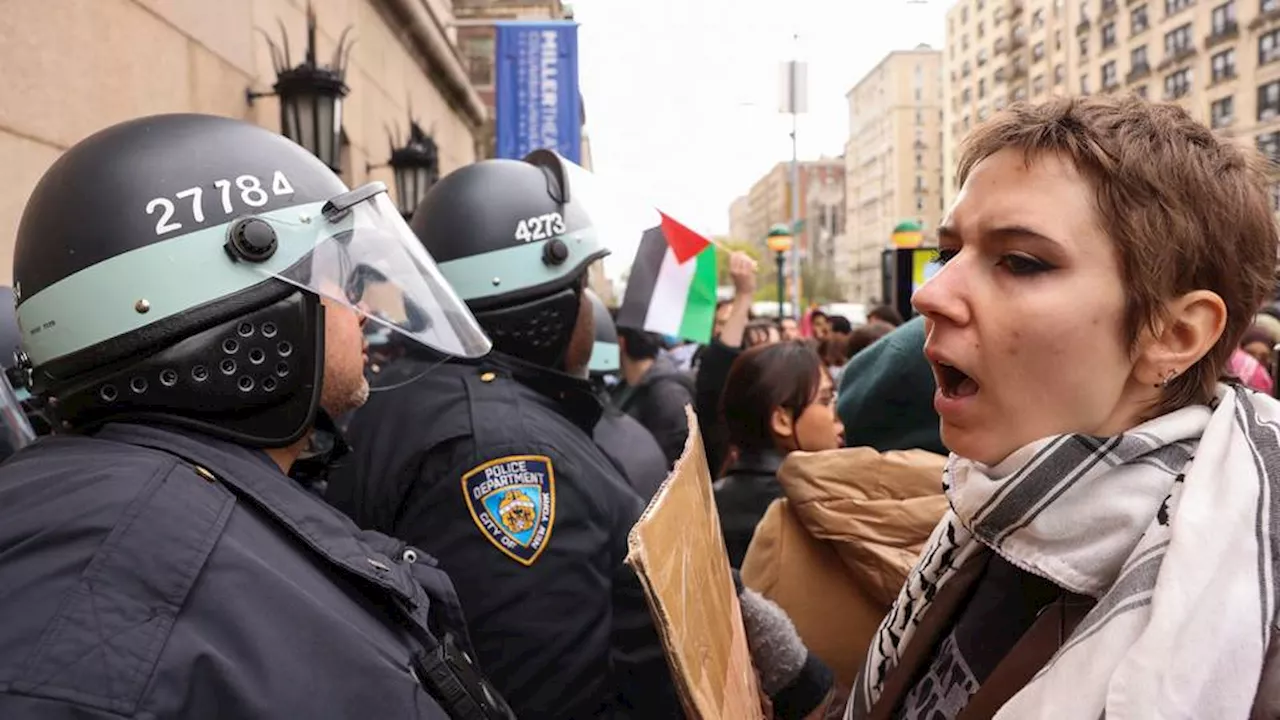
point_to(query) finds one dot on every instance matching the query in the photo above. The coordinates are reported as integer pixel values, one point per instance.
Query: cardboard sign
(678, 551)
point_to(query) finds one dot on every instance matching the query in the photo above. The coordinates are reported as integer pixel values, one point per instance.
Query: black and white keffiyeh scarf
(1174, 527)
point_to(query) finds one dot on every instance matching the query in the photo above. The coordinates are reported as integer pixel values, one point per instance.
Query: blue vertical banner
(537, 101)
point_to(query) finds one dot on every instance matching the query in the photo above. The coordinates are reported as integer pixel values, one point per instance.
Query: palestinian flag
(672, 288)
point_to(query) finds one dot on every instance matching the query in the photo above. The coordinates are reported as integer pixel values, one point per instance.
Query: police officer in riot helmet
(491, 467)
(191, 292)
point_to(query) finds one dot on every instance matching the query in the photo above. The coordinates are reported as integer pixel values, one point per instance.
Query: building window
(1108, 36)
(982, 88)
(1037, 19)
(1084, 46)
(1224, 65)
(1110, 77)
(1020, 94)
(999, 15)
(1084, 84)
(964, 15)
(1037, 85)
(919, 160)
(981, 31)
(981, 4)
(964, 43)
(1177, 41)
(982, 115)
(1269, 145)
(966, 96)
(919, 94)
(919, 118)
(1177, 84)
(1138, 20)
(1138, 60)
(1269, 5)
(1059, 74)
(982, 57)
(965, 69)
(1224, 18)
(1269, 47)
(1269, 101)
(1176, 6)
(478, 52)
(1141, 91)
(1222, 111)
(1037, 52)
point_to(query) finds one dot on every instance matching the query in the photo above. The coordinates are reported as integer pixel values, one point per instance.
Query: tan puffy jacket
(836, 549)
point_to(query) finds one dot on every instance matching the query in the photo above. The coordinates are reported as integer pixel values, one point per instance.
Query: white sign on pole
(793, 87)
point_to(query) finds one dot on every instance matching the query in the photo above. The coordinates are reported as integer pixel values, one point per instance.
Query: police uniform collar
(250, 474)
(574, 395)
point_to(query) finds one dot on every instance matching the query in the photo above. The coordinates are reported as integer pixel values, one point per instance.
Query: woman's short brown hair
(1186, 209)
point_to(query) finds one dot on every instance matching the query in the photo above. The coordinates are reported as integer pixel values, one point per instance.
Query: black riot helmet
(604, 352)
(170, 269)
(514, 238)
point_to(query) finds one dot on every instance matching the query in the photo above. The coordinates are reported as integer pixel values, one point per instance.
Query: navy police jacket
(490, 467)
(155, 573)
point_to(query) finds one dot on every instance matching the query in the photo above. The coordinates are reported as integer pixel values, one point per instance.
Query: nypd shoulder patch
(513, 502)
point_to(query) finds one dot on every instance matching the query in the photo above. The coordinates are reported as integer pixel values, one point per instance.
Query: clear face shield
(368, 259)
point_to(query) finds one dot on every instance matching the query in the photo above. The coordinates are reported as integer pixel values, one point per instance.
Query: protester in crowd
(1260, 343)
(835, 549)
(718, 358)
(864, 335)
(892, 374)
(789, 328)
(778, 399)
(834, 352)
(815, 325)
(885, 314)
(626, 442)
(841, 328)
(654, 391)
(763, 332)
(1103, 554)
(1245, 367)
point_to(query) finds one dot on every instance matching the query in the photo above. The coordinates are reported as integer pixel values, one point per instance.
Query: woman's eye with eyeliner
(1024, 265)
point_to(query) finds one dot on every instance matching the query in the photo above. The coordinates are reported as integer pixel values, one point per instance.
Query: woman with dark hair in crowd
(778, 398)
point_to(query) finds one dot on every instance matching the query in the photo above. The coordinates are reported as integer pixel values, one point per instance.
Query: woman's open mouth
(954, 383)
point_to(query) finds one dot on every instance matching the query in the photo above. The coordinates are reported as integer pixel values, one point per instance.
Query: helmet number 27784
(540, 227)
(248, 189)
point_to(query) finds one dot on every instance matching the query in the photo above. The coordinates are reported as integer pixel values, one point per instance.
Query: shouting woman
(1112, 547)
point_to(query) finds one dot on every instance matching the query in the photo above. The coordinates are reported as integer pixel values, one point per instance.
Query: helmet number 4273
(540, 227)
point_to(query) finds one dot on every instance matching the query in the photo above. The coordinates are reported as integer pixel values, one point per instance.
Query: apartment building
(1220, 59)
(893, 161)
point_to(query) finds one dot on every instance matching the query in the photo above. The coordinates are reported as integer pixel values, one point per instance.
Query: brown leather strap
(1032, 652)
(937, 620)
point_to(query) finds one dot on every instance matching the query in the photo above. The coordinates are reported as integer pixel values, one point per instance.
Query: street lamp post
(416, 166)
(779, 241)
(310, 95)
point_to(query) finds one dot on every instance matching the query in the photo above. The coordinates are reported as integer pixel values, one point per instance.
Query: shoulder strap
(1031, 653)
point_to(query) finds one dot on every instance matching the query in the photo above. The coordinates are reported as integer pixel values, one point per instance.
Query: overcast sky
(682, 95)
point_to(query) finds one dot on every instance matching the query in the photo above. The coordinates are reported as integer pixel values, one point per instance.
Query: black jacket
(490, 466)
(632, 448)
(153, 573)
(713, 371)
(743, 496)
(658, 403)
